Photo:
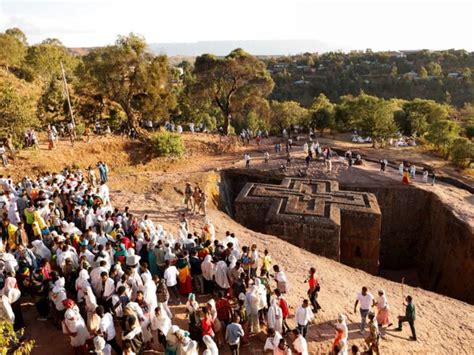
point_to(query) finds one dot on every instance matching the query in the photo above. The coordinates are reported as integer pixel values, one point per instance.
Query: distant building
(301, 82)
(411, 75)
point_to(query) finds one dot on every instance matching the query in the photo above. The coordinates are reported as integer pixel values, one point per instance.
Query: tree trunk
(133, 121)
(227, 120)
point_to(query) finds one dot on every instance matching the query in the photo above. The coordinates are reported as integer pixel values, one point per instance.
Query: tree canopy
(128, 75)
(230, 82)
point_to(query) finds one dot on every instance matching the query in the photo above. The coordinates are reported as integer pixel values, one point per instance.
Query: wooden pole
(67, 95)
(403, 296)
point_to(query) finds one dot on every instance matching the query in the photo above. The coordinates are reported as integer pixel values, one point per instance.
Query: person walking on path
(314, 288)
(233, 334)
(366, 300)
(304, 316)
(410, 316)
(247, 160)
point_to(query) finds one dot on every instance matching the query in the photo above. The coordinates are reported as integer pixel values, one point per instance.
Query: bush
(80, 129)
(167, 144)
(462, 152)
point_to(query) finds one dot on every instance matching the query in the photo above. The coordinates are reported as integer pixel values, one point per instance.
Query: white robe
(74, 323)
(275, 317)
(221, 275)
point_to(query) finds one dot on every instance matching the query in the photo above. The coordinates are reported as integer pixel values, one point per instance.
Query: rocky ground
(152, 186)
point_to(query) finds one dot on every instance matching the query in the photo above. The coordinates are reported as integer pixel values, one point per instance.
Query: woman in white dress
(75, 327)
(275, 316)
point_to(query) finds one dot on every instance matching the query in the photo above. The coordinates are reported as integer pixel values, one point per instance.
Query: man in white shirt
(300, 346)
(107, 288)
(171, 277)
(366, 301)
(304, 316)
(107, 328)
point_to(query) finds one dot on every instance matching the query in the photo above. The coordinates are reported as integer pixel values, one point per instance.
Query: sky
(345, 25)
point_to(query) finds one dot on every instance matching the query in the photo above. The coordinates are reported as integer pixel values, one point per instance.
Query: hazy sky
(346, 24)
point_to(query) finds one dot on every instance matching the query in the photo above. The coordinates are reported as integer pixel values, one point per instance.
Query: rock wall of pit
(418, 231)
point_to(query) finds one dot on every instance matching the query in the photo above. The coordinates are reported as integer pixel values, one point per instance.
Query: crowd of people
(106, 277)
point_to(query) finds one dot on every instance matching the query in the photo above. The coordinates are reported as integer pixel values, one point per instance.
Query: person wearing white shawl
(10, 264)
(159, 321)
(82, 282)
(221, 275)
(169, 254)
(91, 305)
(172, 340)
(252, 304)
(211, 347)
(149, 291)
(273, 339)
(275, 316)
(40, 250)
(208, 268)
(75, 327)
(134, 279)
(186, 345)
(262, 293)
(6, 310)
(101, 347)
(96, 281)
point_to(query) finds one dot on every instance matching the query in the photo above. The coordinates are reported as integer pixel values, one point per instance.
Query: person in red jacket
(207, 323)
(285, 309)
(224, 310)
(313, 290)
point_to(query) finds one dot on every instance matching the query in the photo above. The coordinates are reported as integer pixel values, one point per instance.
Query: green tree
(462, 152)
(12, 48)
(131, 77)
(421, 113)
(423, 73)
(435, 69)
(17, 111)
(372, 115)
(45, 59)
(441, 133)
(466, 73)
(52, 103)
(286, 114)
(18, 34)
(322, 119)
(394, 72)
(229, 82)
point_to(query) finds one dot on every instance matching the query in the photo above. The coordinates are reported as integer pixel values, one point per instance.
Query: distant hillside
(263, 47)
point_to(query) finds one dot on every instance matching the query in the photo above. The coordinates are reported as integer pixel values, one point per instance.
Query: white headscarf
(40, 249)
(221, 275)
(163, 322)
(149, 291)
(207, 268)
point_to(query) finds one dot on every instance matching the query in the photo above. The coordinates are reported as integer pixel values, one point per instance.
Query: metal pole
(67, 95)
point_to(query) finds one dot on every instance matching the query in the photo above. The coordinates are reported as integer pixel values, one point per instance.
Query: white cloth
(107, 326)
(221, 275)
(275, 316)
(304, 315)
(365, 301)
(272, 342)
(208, 268)
(171, 276)
(300, 345)
(211, 346)
(74, 323)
